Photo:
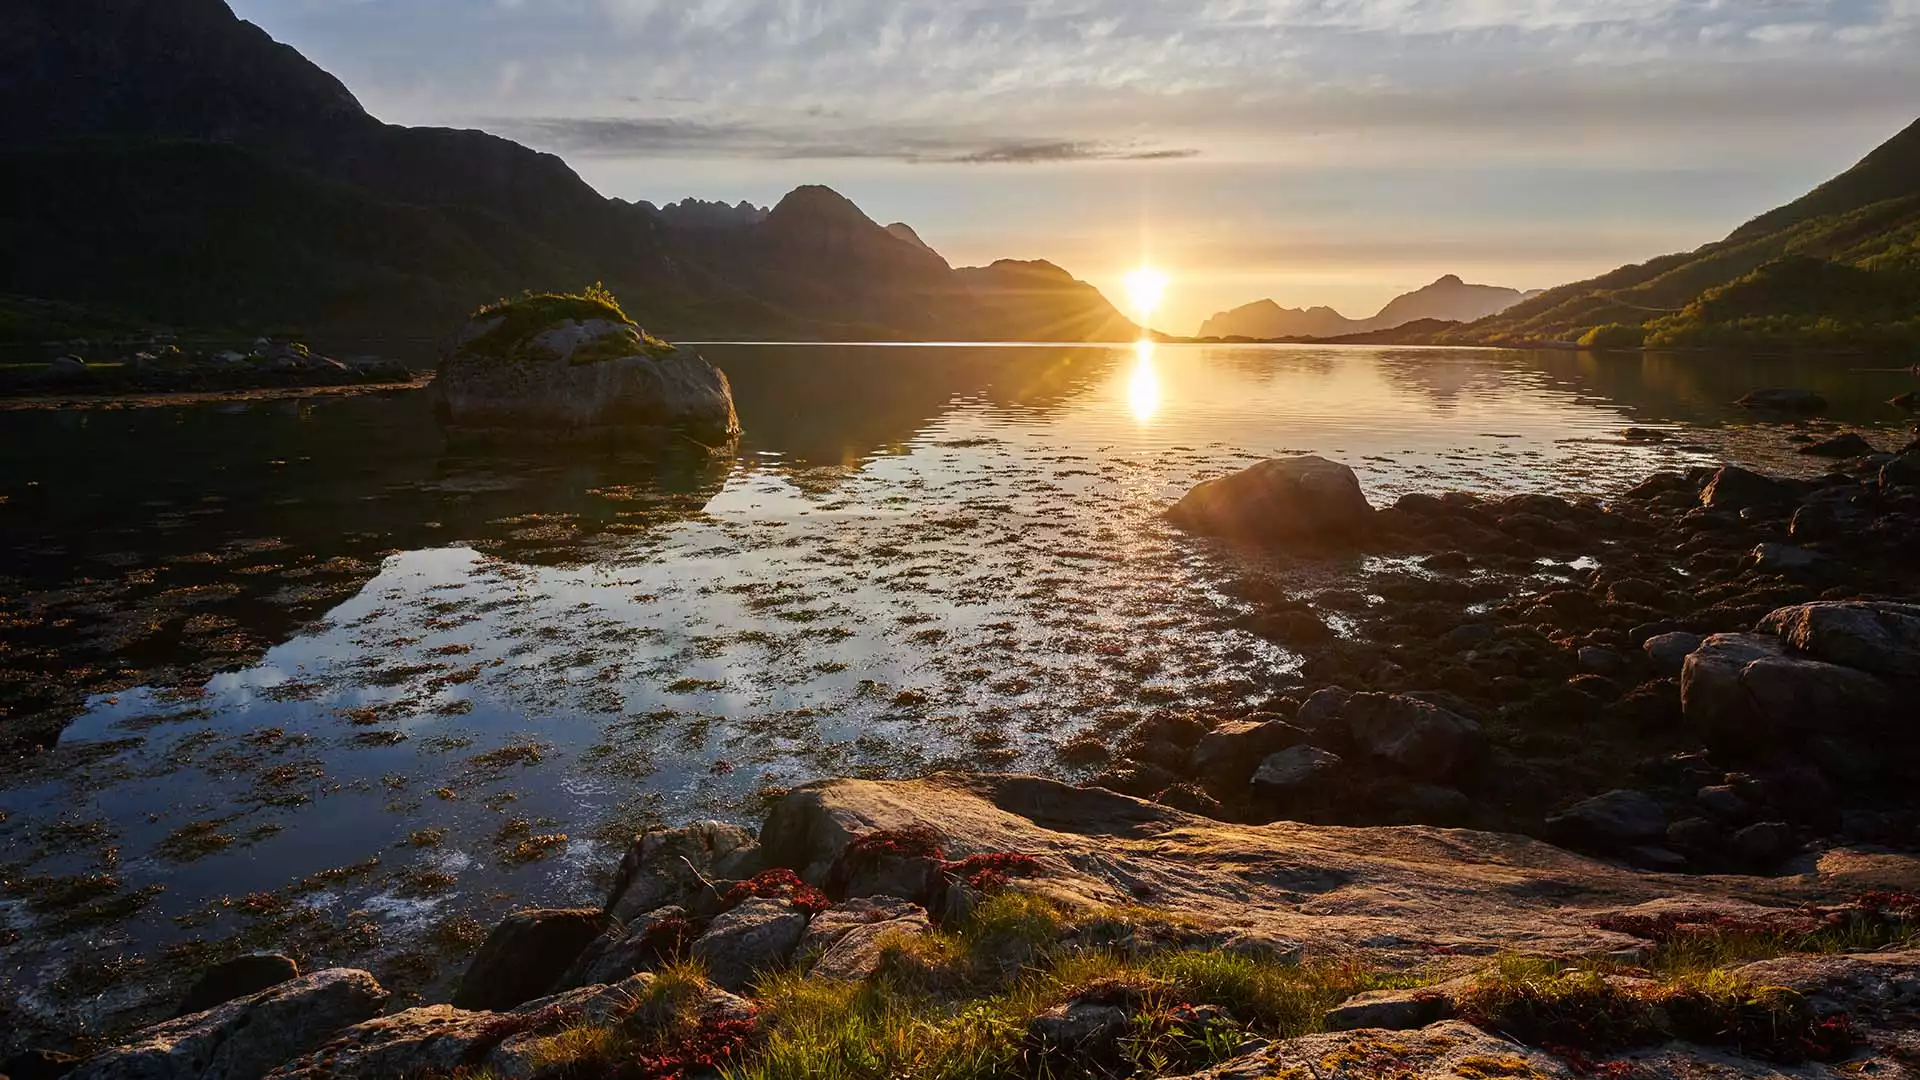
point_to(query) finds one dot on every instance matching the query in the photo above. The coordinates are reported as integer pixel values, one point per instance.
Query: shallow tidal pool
(336, 689)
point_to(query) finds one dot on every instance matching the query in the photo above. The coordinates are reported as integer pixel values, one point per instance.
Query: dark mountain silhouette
(171, 162)
(693, 213)
(1839, 266)
(1448, 299)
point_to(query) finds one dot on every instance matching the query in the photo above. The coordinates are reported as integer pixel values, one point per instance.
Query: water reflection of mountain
(837, 405)
(161, 545)
(1443, 377)
(1699, 388)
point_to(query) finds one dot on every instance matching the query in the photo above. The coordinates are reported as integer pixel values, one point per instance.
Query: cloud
(620, 137)
(994, 82)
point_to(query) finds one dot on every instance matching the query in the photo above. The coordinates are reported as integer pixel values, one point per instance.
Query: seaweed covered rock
(554, 368)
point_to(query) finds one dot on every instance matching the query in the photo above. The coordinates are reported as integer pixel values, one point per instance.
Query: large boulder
(758, 936)
(1278, 499)
(526, 954)
(574, 368)
(665, 867)
(1418, 736)
(1880, 637)
(1747, 692)
(244, 1038)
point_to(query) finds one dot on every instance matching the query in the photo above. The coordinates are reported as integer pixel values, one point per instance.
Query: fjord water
(381, 684)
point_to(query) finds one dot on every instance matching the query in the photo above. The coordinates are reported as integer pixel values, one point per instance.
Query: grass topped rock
(566, 368)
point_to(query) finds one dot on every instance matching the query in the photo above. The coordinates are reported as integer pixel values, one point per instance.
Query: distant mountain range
(1448, 299)
(1838, 267)
(169, 162)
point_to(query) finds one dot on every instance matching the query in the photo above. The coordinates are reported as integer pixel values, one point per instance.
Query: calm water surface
(332, 635)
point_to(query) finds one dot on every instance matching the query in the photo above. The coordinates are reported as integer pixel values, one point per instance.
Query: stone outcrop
(1877, 637)
(578, 372)
(756, 937)
(243, 1039)
(1411, 889)
(1444, 1051)
(623, 950)
(1277, 500)
(1747, 692)
(674, 866)
(526, 953)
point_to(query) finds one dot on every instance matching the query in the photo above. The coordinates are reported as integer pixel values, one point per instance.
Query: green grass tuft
(526, 315)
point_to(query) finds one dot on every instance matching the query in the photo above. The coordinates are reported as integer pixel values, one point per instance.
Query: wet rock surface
(1668, 658)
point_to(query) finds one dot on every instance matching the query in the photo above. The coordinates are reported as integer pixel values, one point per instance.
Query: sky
(1334, 152)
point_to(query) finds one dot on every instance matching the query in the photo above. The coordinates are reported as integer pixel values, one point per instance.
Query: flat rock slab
(1865, 985)
(244, 1038)
(1445, 1051)
(1412, 890)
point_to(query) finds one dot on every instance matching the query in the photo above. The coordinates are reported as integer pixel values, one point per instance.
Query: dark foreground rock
(245, 1038)
(1277, 500)
(1718, 628)
(526, 954)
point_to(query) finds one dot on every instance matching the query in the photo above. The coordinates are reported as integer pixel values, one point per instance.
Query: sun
(1146, 287)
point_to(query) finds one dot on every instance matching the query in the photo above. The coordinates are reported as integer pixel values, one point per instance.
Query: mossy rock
(507, 329)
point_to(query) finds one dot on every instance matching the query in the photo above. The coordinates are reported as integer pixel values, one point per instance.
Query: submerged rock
(1784, 399)
(573, 369)
(1847, 445)
(1277, 500)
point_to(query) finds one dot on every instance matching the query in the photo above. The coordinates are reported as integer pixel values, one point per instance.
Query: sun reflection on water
(1143, 386)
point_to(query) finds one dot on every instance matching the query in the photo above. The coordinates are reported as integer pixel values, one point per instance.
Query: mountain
(1266, 319)
(1038, 301)
(169, 162)
(1448, 299)
(1839, 266)
(693, 213)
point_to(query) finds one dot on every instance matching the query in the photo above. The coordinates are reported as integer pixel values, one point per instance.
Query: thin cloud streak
(617, 137)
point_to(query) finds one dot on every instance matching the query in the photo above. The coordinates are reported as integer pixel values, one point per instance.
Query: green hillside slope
(1835, 268)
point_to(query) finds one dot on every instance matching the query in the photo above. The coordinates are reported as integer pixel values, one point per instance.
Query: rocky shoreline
(167, 368)
(1724, 682)
(1089, 911)
(1724, 685)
